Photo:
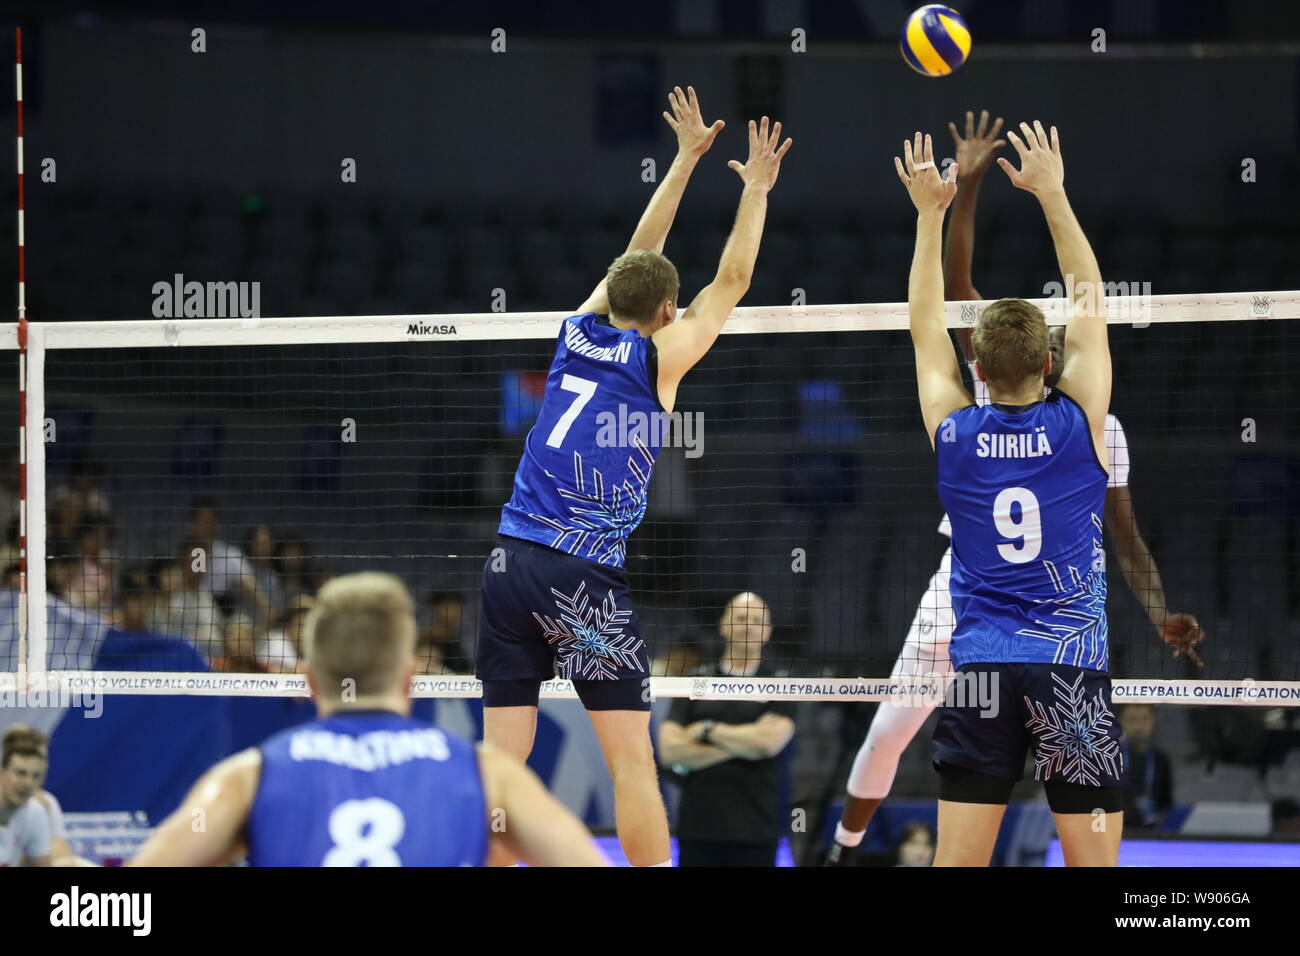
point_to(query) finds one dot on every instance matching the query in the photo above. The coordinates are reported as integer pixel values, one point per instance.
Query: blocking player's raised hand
(916, 170)
(975, 150)
(1041, 169)
(693, 137)
(764, 162)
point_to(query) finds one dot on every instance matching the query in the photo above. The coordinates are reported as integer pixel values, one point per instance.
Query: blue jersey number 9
(1028, 529)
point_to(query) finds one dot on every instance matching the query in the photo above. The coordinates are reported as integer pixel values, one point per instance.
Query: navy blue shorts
(546, 613)
(1063, 714)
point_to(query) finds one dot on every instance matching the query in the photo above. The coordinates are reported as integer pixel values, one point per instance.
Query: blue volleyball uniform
(554, 594)
(1025, 494)
(368, 788)
(582, 482)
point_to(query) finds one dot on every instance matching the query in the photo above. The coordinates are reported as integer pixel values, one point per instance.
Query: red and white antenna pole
(22, 380)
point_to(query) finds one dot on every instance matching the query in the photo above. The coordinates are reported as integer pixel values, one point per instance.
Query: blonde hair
(361, 628)
(639, 282)
(1011, 342)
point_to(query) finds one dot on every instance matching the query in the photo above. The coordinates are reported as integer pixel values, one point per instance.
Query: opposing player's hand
(1183, 633)
(696, 730)
(765, 156)
(930, 193)
(1041, 170)
(975, 150)
(693, 137)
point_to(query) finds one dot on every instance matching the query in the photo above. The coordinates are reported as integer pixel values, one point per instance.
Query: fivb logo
(1130, 301)
(179, 299)
(624, 429)
(103, 909)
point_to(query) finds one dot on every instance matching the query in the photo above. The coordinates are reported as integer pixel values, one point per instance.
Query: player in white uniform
(24, 826)
(925, 651)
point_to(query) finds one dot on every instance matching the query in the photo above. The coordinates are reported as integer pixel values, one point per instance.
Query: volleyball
(935, 41)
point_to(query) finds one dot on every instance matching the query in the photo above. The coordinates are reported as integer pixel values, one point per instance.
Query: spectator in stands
(240, 653)
(183, 606)
(726, 753)
(1285, 818)
(916, 848)
(439, 648)
(259, 549)
(83, 490)
(229, 576)
(90, 585)
(293, 565)
(280, 651)
(133, 644)
(13, 577)
(1150, 788)
(58, 576)
(134, 601)
(64, 517)
(24, 824)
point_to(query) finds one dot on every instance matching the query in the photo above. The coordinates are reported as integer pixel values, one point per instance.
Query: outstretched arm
(938, 374)
(1086, 373)
(693, 141)
(681, 344)
(974, 157)
(1180, 631)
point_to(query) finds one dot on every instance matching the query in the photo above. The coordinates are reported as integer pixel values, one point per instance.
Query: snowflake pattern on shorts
(588, 638)
(1072, 737)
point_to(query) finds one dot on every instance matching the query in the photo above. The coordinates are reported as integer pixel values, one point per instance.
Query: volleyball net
(191, 482)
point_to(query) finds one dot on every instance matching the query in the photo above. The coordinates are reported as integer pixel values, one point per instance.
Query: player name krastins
(103, 909)
(1001, 445)
(423, 328)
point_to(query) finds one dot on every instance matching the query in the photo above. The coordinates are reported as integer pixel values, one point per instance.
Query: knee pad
(1065, 797)
(960, 785)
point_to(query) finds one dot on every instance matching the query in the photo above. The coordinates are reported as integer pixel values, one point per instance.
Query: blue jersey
(1025, 493)
(582, 482)
(368, 788)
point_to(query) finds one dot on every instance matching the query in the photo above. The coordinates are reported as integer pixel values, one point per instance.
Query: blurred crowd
(241, 607)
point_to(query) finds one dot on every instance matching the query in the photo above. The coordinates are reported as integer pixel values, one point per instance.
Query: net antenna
(22, 377)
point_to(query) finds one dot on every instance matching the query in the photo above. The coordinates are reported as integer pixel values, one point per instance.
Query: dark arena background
(292, 278)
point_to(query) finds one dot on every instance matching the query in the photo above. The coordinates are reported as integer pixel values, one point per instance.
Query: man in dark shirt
(1149, 792)
(727, 752)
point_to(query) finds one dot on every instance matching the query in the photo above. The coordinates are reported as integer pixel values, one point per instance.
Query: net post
(22, 374)
(34, 476)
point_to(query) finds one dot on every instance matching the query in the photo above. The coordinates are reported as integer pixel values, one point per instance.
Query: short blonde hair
(1011, 342)
(639, 282)
(361, 628)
